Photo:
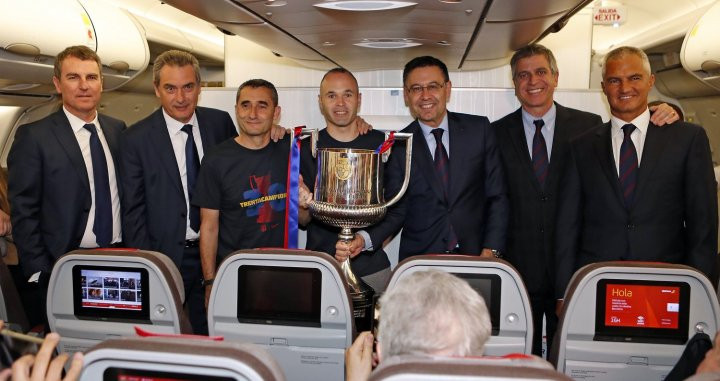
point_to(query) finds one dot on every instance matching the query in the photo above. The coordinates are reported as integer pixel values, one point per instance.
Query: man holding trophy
(456, 199)
(339, 102)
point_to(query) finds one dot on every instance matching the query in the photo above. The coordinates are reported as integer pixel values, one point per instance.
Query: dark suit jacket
(49, 189)
(477, 207)
(154, 208)
(532, 209)
(674, 213)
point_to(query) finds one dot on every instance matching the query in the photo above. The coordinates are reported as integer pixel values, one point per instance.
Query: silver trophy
(349, 192)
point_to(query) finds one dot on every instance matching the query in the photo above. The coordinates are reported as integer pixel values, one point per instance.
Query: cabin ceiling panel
(302, 31)
(513, 10)
(216, 11)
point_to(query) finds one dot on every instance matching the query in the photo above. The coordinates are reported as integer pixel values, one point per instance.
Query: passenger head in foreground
(426, 313)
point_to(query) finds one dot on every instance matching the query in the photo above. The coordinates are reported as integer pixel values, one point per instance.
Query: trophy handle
(313, 134)
(408, 161)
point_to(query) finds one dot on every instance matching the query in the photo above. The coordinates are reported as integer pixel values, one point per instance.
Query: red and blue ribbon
(293, 193)
(386, 144)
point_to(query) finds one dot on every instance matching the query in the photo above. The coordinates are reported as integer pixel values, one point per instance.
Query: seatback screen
(488, 286)
(112, 293)
(120, 374)
(279, 295)
(643, 311)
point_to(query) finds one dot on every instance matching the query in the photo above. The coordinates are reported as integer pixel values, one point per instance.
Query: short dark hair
(424, 61)
(80, 52)
(339, 70)
(533, 50)
(255, 83)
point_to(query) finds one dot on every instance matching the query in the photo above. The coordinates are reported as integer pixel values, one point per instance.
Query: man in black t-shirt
(241, 188)
(339, 101)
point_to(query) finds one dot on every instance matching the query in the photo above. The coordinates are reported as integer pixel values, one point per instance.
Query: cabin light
(450, 1)
(275, 3)
(328, 43)
(364, 5)
(443, 43)
(388, 43)
(19, 87)
(616, 25)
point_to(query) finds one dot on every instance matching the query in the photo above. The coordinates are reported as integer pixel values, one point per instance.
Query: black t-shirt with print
(321, 237)
(248, 187)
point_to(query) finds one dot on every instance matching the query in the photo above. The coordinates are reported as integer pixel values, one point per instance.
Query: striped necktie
(628, 165)
(539, 153)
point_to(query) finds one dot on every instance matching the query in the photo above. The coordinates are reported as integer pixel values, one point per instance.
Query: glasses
(432, 88)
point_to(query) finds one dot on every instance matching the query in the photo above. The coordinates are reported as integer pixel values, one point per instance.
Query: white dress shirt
(178, 138)
(547, 130)
(83, 138)
(638, 136)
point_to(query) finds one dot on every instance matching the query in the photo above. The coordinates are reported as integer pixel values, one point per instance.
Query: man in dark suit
(160, 159)
(62, 180)
(636, 191)
(534, 142)
(456, 200)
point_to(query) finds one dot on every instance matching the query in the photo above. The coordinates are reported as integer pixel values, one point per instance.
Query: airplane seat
(294, 303)
(177, 358)
(94, 295)
(498, 283)
(412, 367)
(631, 320)
(12, 311)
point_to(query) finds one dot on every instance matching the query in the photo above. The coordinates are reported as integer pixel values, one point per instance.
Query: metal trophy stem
(349, 194)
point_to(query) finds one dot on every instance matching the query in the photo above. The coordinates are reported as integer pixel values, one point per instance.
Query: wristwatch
(207, 282)
(496, 253)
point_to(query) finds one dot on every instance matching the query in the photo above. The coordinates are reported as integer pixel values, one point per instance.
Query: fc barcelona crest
(342, 168)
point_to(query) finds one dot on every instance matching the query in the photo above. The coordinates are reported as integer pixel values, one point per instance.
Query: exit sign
(609, 15)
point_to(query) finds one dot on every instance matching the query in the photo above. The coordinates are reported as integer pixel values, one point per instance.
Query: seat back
(501, 287)
(412, 368)
(94, 295)
(632, 320)
(294, 303)
(12, 311)
(178, 359)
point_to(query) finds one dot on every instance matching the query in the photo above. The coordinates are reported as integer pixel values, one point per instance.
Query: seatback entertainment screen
(642, 311)
(111, 293)
(120, 374)
(488, 286)
(279, 295)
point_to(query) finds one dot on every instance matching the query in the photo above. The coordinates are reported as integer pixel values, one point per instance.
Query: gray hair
(533, 50)
(176, 58)
(622, 51)
(431, 312)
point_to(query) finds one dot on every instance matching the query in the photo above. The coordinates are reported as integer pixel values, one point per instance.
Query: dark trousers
(543, 304)
(191, 271)
(33, 297)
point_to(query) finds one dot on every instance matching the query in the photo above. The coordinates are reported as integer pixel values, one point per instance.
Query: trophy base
(363, 308)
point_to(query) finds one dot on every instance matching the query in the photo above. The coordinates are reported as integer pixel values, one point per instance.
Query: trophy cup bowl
(349, 195)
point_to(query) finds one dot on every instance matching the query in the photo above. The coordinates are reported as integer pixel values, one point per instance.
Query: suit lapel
(207, 142)
(517, 136)
(110, 137)
(423, 158)
(561, 135)
(66, 136)
(160, 140)
(653, 148)
(604, 153)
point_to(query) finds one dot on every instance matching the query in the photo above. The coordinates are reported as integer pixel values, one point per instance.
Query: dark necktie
(442, 167)
(192, 165)
(539, 153)
(102, 226)
(628, 165)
